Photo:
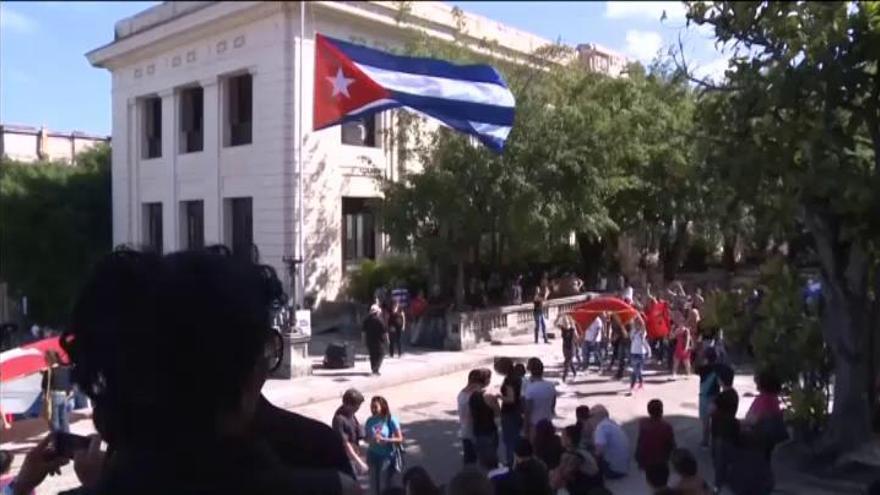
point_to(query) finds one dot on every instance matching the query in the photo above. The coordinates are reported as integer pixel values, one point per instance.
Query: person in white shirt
(639, 351)
(592, 342)
(540, 396)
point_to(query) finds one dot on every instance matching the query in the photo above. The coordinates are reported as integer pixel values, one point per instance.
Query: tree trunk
(845, 326)
(728, 256)
(459, 283)
(672, 249)
(591, 250)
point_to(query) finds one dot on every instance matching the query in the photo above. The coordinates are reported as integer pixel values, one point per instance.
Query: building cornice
(148, 32)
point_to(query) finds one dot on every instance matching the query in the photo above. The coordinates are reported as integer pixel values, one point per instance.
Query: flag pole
(301, 283)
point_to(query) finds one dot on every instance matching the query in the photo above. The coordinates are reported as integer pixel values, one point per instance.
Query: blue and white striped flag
(352, 81)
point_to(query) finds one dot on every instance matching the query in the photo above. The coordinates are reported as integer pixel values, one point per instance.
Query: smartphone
(68, 443)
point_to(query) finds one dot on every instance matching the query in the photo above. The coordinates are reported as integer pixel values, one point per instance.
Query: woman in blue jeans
(383, 432)
(511, 405)
(639, 351)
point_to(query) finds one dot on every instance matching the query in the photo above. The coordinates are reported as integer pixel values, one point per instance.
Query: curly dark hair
(165, 345)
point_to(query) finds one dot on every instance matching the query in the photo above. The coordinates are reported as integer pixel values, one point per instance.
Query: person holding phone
(384, 435)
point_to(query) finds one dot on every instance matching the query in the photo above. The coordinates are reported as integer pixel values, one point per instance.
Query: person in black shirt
(567, 329)
(376, 336)
(484, 407)
(349, 428)
(541, 293)
(396, 326)
(511, 406)
(58, 386)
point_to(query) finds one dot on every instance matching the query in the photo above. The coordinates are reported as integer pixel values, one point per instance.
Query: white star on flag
(340, 83)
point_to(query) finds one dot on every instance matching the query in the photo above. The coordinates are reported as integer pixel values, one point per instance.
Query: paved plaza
(421, 389)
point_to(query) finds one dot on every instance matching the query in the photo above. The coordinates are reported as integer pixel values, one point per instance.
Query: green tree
(55, 223)
(806, 87)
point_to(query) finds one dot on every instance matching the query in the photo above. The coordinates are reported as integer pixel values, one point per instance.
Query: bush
(789, 342)
(391, 272)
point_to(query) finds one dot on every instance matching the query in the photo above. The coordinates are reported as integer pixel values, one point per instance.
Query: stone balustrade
(466, 330)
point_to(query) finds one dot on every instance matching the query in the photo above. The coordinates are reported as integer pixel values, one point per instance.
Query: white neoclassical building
(206, 107)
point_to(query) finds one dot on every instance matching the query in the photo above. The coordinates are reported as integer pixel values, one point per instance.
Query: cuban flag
(353, 81)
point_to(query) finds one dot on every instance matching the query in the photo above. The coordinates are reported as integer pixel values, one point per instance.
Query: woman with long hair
(384, 435)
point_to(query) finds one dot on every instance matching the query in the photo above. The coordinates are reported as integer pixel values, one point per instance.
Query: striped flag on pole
(353, 81)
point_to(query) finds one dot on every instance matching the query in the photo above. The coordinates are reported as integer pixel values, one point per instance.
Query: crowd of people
(192, 331)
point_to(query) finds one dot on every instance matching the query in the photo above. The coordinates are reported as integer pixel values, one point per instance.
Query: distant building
(600, 59)
(32, 144)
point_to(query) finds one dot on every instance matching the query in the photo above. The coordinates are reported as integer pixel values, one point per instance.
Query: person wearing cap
(349, 428)
(375, 336)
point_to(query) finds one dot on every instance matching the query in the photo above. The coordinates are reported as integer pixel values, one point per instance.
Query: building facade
(32, 144)
(207, 105)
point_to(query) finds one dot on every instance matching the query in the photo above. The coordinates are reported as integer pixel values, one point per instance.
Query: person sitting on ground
(582, 414)
(470, 481)
(685, 466)
(612, 445)
(657, 476)
(417, 481)
(530, 477)
(656, 439)
(547, 444)
(578, 471)
(6, 458)
(198, 314)
(346, 424)
(540, 396)
(504, 480)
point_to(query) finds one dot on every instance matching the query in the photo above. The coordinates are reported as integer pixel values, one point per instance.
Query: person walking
(396, 326)
(385, 436)
(511, 407)
(346, 424)
(541, 293)
(592, 342)
(639, 351)
(375, 336)
(567, 331)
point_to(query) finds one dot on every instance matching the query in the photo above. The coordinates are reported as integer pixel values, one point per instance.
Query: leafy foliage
(55, 224)
(389, 272)
(802, 102)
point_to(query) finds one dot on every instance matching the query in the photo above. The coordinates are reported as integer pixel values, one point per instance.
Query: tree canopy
(55, 224)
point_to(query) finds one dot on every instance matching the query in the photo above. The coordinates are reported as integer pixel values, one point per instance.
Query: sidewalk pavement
(416, 364)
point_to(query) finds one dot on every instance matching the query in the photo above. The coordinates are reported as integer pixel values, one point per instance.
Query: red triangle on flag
(341, 88)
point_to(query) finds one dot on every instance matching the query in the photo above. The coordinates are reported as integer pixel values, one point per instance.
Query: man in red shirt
(656, 438)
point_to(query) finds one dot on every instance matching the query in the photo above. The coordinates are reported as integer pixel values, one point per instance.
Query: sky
(45, 78)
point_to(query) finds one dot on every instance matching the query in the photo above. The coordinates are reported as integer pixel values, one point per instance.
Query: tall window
(153, 227)
(240, 225)
(239, 110)
(191, 119)
(361, 132)
(152, 126)
(358, 230)
(193, 224)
